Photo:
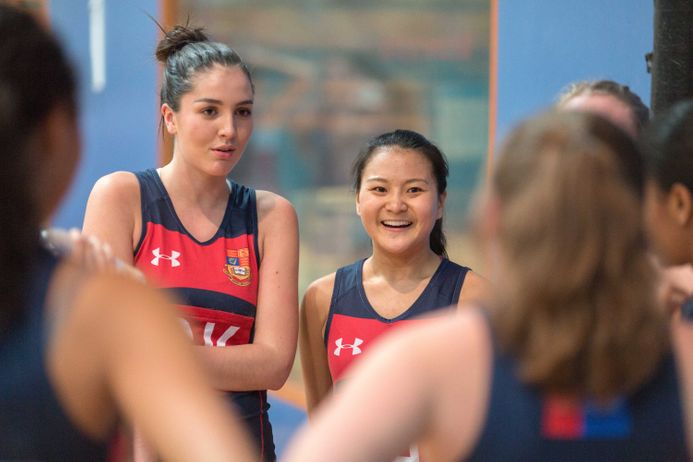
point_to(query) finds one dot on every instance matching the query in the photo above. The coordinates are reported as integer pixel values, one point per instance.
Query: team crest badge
(237, 266)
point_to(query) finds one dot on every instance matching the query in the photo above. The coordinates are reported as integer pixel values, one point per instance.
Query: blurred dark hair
(408, 139)
(668, 146)
(35, 78)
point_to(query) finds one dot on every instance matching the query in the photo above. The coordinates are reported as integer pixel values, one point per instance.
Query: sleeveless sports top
(33, 425)
(352, 323)
(216, 281)
(524, 424)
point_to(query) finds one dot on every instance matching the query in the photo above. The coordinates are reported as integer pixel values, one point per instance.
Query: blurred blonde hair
(640, 113)
(578, 306)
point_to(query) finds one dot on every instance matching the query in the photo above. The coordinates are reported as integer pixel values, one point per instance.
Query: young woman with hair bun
(82, 350)
(229, 252)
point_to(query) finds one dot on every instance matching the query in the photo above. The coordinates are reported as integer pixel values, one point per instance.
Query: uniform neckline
(169, 203)
(403, 314)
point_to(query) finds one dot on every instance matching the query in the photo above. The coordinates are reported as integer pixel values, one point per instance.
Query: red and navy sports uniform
(353, 326)
(524, 424)
(33, 425)
(216, 281)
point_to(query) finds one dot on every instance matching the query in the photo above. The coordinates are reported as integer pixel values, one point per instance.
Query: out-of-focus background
(329, 75)
(332, 74)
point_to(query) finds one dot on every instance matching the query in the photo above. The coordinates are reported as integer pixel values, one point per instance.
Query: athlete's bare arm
(113, 213)
(408, 388)
(313, 317)
(266, 363)
(128, 350)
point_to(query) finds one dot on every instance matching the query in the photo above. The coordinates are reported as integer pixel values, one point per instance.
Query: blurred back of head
(577, 298)
(603, 97)
(35, 78)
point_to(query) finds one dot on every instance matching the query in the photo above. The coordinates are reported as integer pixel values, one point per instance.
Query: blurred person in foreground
(80, 349)
(618, 103)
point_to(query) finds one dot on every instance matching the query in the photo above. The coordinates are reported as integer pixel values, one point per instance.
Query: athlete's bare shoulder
(113, 212)
(118, 191)
(277, 229)
(273, 206)
(318, 296)
(476, 288)
(120, 183)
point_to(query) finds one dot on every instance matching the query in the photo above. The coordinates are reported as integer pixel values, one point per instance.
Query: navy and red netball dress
(216, 280)
(353, 325)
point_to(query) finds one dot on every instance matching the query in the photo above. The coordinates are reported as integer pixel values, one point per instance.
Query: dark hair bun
(175, 39)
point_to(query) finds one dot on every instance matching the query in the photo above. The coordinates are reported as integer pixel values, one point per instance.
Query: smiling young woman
(400, 180)
(229, 253)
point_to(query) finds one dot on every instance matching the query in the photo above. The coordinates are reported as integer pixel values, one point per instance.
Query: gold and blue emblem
(237, 266)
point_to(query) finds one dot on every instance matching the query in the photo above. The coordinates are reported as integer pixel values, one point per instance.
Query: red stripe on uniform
(174, 260)
(216, 328)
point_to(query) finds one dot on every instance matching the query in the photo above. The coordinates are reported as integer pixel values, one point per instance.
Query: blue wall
(542, 46)
(545, 44)
(119, 124)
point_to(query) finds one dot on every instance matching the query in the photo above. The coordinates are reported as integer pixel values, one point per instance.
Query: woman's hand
(87, 252)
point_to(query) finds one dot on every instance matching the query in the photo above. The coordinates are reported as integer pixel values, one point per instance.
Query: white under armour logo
(173, 258)
(355, 350)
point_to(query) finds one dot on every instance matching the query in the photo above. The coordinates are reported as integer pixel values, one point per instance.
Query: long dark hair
(668, 146)
(35, 78)
(408, 139)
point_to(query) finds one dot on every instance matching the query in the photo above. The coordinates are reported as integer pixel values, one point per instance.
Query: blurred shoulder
(443, 341)
(475, 288)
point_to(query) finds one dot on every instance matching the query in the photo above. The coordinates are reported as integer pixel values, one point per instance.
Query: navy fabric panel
(157, 208)
(213, 300)
(512, 428)
(33, 425)
(252, 407)
(154, 203)
(349, 296)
